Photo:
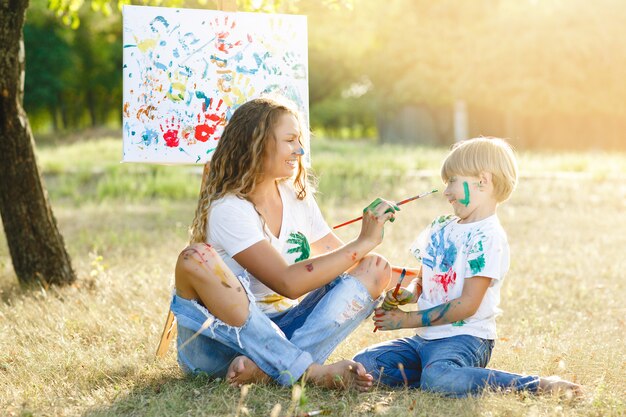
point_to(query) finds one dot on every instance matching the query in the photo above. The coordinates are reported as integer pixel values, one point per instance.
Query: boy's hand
(391, 319)
(403, 297)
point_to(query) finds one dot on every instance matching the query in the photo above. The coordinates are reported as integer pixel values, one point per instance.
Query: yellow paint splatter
(146, 45)
(277, 301)
(221, 274)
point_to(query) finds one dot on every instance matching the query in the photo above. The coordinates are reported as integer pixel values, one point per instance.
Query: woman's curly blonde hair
(237, 164)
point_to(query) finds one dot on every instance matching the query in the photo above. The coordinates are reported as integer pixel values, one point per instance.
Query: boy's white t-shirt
(234, 225)
(450, 253)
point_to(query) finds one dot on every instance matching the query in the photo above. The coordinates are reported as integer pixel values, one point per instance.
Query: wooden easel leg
(169, 331)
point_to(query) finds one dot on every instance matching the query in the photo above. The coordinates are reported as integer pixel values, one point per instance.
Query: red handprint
(222, 32)
(212, 119)
(170, 132)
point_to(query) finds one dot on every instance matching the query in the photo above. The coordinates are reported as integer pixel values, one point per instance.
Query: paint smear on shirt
(445, 280)
(477, 264)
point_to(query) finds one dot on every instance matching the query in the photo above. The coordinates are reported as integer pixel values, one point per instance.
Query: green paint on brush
(477, 264)
(458, 323)
(466, 200)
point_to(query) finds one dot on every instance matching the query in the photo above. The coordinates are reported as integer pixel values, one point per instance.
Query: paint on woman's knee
(221, 274)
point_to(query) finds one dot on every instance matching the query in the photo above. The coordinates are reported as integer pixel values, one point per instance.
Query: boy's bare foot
(556, 385)
(242, 370)
(340, 375)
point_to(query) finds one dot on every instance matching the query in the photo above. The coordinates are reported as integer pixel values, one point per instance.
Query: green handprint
(293, 62)
(303, 245)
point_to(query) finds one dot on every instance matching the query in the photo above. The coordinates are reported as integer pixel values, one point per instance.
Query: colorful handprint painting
(186, 71)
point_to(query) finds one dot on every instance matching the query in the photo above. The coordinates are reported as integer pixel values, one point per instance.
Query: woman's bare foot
(340, 375)
(242, 370)
(556, 385)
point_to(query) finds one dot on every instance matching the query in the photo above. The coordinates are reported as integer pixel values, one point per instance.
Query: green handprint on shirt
(303, 246)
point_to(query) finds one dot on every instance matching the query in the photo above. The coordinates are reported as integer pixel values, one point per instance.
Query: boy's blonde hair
(474, 156)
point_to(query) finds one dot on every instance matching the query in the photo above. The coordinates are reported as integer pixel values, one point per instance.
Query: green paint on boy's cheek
(466, 200)
(458, 323)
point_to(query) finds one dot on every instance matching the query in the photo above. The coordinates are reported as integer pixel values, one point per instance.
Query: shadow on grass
(200, 396)
(191, 396)
(169, 396)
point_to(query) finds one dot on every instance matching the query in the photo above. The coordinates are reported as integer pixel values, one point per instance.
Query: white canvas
(186, 71)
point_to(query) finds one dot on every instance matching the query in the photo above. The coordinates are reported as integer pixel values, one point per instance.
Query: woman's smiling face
(283, 159)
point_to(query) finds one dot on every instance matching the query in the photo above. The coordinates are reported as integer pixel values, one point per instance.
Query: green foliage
(525, 69)
(529, 57)
(350, 117)
(70, 10)
(72, 75)
(50, 61)
(100, 60)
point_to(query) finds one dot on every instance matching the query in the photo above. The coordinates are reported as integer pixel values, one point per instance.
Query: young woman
(265, 290)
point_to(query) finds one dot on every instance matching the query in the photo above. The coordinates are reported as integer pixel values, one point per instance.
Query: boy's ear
(485, 178)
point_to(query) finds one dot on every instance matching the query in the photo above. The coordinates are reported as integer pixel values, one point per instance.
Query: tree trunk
(52, 110)
(91, 107)
(63, 111)
(36, 246)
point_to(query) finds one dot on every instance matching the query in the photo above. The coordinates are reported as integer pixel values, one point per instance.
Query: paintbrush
(399, 203)
(402, 274)
(395, 292)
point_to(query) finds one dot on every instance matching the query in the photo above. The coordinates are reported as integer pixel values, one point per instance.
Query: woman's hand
(392, 319)
(374, 218)
(404, 296)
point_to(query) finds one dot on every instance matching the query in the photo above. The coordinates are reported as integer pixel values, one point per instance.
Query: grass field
(89, 349)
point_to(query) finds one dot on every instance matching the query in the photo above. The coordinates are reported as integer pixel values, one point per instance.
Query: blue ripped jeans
(453, 366)
(283, 346)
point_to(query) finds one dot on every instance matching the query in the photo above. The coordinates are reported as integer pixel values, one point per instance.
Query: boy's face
(471, 197)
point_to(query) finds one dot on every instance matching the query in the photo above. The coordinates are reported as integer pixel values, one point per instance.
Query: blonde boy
(464, 259)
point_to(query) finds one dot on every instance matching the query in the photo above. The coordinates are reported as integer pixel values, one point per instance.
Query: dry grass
(89, 349)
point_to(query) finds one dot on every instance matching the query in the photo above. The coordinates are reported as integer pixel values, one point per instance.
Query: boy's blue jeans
(283, 346)
(453, 366)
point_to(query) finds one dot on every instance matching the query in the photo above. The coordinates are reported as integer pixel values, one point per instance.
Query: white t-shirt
(234, 225)
(450, 253)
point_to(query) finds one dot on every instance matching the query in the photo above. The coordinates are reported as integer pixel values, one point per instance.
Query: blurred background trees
(543, 73)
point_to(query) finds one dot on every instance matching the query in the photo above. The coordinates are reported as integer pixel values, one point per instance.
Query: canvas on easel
(186, 71)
